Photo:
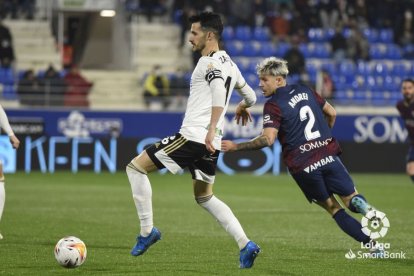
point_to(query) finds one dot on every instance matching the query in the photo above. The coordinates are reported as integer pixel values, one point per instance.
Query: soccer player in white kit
(4, 124)
(197, 144)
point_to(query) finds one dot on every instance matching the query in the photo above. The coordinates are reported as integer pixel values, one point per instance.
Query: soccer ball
(70, 252)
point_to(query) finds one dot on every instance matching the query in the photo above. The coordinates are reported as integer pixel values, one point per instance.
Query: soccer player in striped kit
(302, 122)
(406, 109)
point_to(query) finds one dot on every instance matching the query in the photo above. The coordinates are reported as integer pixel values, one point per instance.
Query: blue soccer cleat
(248, 254)
(361, 205)
(376, 251)
(143, 243)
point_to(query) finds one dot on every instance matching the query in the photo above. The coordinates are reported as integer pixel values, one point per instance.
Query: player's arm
(248, 94)
(215, 116)
(330, 114)
(219, 96)
(327, 108)
(4, 123)
(249, 99)
(267, 138)
(271, 122)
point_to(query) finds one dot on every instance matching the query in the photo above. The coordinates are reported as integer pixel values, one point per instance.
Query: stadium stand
(34, 48)
(34, 44)
(374, 81)
(365, 79)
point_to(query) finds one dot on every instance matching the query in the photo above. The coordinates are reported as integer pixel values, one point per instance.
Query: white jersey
(4, 122)
(198, 113)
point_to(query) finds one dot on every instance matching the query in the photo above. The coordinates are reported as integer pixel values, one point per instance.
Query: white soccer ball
(70, 252)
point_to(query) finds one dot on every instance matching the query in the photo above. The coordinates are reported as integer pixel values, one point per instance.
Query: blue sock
(350, 226)
(412, 178)
(358, 204)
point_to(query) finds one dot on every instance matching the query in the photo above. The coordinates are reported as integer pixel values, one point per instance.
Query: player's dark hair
(209, 21)
(408, 80)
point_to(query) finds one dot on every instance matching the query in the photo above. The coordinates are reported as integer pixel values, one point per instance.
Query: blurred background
(88, 84)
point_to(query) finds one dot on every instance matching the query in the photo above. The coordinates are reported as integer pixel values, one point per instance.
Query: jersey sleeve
(212, 69)
(240, 81)
(244, 89)
(272, 115)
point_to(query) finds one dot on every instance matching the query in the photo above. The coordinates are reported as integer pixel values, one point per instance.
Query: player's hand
(14, 142)
(209, 140)
(227, 145)
(244, 114)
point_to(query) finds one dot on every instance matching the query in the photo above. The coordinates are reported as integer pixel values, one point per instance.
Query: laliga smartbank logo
(375, 225)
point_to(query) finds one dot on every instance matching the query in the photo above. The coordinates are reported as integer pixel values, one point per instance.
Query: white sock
(223, 214)
(142, 195)
(2, 197)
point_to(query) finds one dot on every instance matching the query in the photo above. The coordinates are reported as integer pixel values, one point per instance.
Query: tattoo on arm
(257, 143)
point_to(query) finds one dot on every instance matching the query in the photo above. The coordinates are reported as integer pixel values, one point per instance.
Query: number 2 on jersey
(306, 113)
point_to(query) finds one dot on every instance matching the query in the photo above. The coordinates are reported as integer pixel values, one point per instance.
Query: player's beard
(200, 46)
(408, 97)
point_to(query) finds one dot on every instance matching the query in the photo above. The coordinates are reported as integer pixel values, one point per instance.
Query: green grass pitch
(296, 238)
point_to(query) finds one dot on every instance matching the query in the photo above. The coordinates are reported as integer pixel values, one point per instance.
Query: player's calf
(225, 217)
(350, 226)
(142, 196)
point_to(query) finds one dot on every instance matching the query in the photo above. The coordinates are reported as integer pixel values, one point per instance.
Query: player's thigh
(144, 163)
(338, 179)
(410, 168)
(203, 169)
(312, 185)
(201, 188)
(175, 153)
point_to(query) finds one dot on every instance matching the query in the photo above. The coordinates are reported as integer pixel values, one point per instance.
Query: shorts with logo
(320, 184)
(410, 154)
(176, 152)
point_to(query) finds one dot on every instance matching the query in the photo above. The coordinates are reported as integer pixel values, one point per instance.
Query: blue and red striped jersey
(303, 132)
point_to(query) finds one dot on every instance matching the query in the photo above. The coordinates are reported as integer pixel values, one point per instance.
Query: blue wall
(348, 128)
(107, 141)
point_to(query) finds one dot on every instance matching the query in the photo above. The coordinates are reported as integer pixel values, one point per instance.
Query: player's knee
(330, 205)
(352, 205)
(332, 208)
(410, 168)
(203, 199)
(134, 168)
